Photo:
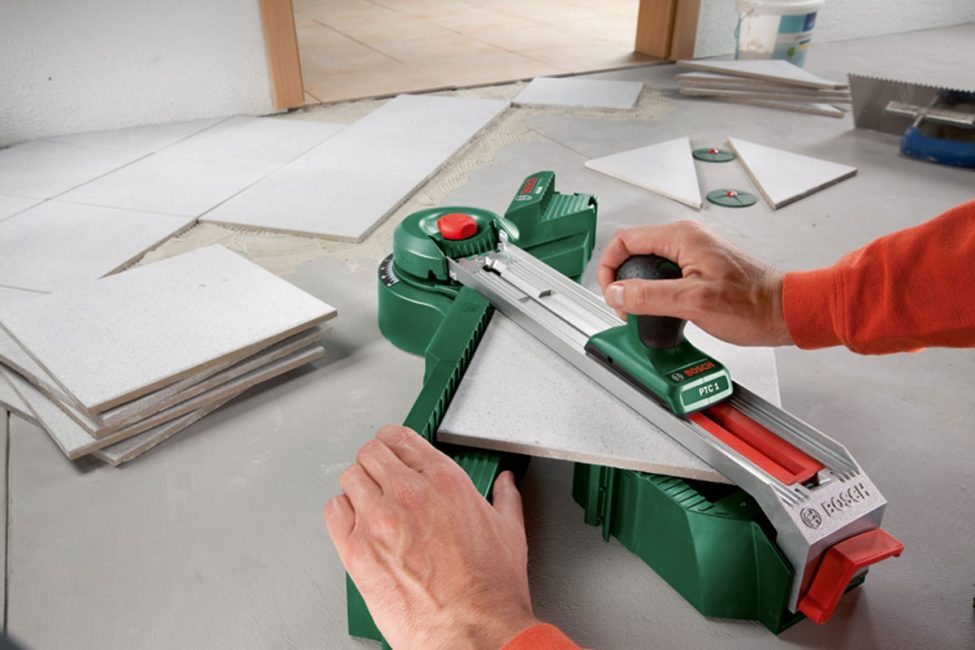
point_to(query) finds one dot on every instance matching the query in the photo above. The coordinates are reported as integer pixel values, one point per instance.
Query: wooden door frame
(667, 29)
(281, 47)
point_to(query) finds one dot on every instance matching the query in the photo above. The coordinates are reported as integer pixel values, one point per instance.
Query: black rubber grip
(657, 332)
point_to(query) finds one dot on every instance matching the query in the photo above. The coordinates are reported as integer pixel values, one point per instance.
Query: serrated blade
(871, 96)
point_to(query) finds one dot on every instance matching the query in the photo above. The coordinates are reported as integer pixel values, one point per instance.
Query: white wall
(839, 20)
(81, 65)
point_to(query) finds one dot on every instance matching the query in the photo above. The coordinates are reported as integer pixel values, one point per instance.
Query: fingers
(651, 297)
(382, 465)
(411, 448)
(340, 520)
(667, 241)
(359, 487)
(507, 499)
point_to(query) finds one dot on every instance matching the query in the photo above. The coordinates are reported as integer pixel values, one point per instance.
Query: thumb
(647, 297)
(507, 500)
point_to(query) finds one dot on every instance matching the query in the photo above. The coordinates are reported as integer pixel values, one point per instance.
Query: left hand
(438, 566)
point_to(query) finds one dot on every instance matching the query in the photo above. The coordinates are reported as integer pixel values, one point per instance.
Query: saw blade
(871, 95)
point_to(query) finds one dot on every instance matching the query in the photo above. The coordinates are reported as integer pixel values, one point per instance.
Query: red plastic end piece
(840, 563)
(457, 226)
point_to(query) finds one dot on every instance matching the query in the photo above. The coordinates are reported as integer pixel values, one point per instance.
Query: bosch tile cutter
(801, 523)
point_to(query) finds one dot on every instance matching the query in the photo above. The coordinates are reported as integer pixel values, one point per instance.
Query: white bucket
(776, 29)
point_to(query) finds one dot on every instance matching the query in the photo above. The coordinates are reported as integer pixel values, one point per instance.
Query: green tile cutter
(802, 522)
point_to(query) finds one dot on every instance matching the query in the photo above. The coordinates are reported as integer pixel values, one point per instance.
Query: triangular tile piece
(666, 168)
(772, 70)
(782, 176)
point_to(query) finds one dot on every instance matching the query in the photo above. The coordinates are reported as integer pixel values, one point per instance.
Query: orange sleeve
(540, 636)
(911, 289)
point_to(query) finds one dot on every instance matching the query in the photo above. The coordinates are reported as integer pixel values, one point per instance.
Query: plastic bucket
(776, 29)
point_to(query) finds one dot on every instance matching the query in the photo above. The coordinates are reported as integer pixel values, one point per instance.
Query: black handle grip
(657, 332)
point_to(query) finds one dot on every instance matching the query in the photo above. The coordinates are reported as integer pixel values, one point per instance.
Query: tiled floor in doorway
(367, 48)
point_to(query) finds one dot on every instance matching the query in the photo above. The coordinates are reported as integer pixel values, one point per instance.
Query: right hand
(724, 292)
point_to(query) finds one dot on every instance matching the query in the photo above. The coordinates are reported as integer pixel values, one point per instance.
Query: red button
(712, 150)
(457, 226)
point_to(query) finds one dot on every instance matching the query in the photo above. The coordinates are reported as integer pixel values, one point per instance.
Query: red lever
(457, 226)
(840, 563)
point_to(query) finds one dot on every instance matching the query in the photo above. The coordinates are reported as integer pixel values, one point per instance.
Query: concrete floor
(215, 539)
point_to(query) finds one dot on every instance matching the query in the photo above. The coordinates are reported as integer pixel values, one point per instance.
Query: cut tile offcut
(666, 168)
(594, 93)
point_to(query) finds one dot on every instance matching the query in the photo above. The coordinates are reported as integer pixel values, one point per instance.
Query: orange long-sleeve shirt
(911, 289)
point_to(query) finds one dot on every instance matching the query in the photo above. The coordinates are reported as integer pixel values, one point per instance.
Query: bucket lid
(784, 7)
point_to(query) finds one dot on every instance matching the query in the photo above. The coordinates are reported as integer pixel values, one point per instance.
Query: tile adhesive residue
(283, 253)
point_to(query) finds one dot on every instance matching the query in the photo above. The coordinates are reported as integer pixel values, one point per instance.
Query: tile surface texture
(57, 245)
(570, 416)
(180, 315)
(348, 184)
(580, 92)
(171, 183)
(11, 205)
(42, 169)
(11, 400)
(260, 140)
(666, 168)
(782, 176)
(140, 139)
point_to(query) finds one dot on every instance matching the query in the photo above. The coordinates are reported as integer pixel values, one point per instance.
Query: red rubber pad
(840, 563)
(457, 226)
(768, 451)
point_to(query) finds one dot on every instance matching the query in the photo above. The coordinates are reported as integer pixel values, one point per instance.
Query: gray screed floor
(215, 539)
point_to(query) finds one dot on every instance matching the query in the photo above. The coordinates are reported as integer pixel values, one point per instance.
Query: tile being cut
(569, 91)
(56, 245)
(180, 316)
(771, 70)
(171, 183)
(75, 441)
(666, 168)
(783, 177)
(344, 187)
(142, 140)
(258, 139)
(42, 169)
(11, 205)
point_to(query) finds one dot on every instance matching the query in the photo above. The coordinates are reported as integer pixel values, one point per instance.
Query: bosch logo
(845, 499)
(698, 369)
(811, 518)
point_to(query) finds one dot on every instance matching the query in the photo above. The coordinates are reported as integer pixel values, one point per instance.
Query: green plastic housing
(682, 377)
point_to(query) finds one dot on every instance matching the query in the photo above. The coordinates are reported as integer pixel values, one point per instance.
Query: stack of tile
(773, 84)
(115, 366)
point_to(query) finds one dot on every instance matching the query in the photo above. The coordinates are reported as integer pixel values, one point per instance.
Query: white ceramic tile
(10, 295)
(570, 416)
(773, 70)
(11, 400)
(401, 153)
(433, 114)
(666, 168)
(777, 93)
(595, 93)
(258, 139)
(333, 203)
(15, 357)
(75, 441)
(57, 245)
(826, 110)
(42, 169)
(11, 205)
(140, 139)
(170, 183)
(782, 176)
(127, 335)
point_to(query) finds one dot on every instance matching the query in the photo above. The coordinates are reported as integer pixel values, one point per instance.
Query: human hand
(438, 566)
(723, 291)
